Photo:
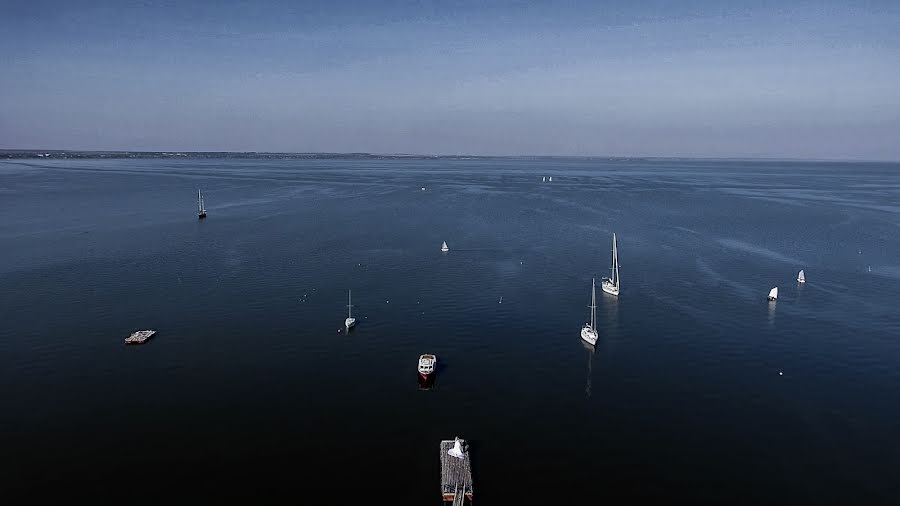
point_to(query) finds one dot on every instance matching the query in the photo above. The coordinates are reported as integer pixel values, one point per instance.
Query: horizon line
(35, 153)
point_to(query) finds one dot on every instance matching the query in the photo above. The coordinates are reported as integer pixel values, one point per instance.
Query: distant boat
(801, 278)
(444, 247)
(139, 337)
(201, 208)
(773, 294)
(544, 179)
(350, 321)
(610, 285)
(426, 366)
(550, 180)
(589, 330)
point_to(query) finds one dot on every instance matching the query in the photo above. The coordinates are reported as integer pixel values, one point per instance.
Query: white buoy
(780, 373)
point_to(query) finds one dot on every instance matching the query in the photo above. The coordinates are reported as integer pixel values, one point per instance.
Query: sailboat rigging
(350, 321)
(201, 208)
(589, 330)
(610, 285)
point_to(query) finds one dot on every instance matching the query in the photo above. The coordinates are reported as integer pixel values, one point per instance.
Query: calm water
(249, 392)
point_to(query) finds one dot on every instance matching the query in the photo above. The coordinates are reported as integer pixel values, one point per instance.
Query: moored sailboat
(610, 285)
(589, 330)
(350, 321)
(201, 208)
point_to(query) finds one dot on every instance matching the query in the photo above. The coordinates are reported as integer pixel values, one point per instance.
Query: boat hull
(349, 323)
(609, 288)
(589, 336)
(201, 215)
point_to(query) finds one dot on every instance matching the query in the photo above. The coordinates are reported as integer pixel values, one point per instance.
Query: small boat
(610, 285)
(773, 294)
(444, 247)
(801, 278)
(201, 208)
(589, 330)
(139, 337)
(350, 321)
(550, 180)
(544, 179)
(426, 366)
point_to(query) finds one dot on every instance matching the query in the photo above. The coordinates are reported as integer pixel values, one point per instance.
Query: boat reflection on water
(590, 349)
(426, 383)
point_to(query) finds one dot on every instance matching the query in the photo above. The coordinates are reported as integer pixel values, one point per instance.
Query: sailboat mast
(593, 304)
(349, 305)
(615, 261)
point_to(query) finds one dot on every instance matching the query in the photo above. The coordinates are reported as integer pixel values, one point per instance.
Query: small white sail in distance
(444, 246)
(801, 277)
(773, 293)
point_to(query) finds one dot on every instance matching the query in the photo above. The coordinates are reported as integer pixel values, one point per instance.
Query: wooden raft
(456, 474)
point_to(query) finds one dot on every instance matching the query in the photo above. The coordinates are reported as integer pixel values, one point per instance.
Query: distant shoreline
(59, 154)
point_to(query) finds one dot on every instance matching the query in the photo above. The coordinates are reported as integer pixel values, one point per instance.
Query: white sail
(444, 246)
(801, 277)
(199, 202)
(773, 293)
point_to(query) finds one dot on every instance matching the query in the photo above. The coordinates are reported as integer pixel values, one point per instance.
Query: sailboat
(444, 247)
(611, 285)
(201, 209)
(773, 294)
(801, 278)
(589, 330)
(350, 321)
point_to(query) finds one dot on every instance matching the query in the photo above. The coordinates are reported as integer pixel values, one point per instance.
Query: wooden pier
(456, 474)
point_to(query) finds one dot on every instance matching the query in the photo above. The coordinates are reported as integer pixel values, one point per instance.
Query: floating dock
(139, 337)
(456, 474)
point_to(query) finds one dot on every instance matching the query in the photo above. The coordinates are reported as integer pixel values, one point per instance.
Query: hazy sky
(817, 79)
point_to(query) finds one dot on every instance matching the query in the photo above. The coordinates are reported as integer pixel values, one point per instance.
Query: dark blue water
(698, 389)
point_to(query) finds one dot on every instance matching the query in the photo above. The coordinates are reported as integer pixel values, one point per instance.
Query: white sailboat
(201, 209)
(444, 247)
(611, 285)
(350, 321)
(801, 277)
(773, 294)
(589, 330)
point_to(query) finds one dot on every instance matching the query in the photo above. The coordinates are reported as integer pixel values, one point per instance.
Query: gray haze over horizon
(751, 79)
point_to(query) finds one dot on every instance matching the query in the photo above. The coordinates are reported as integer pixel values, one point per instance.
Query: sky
(695, 78)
